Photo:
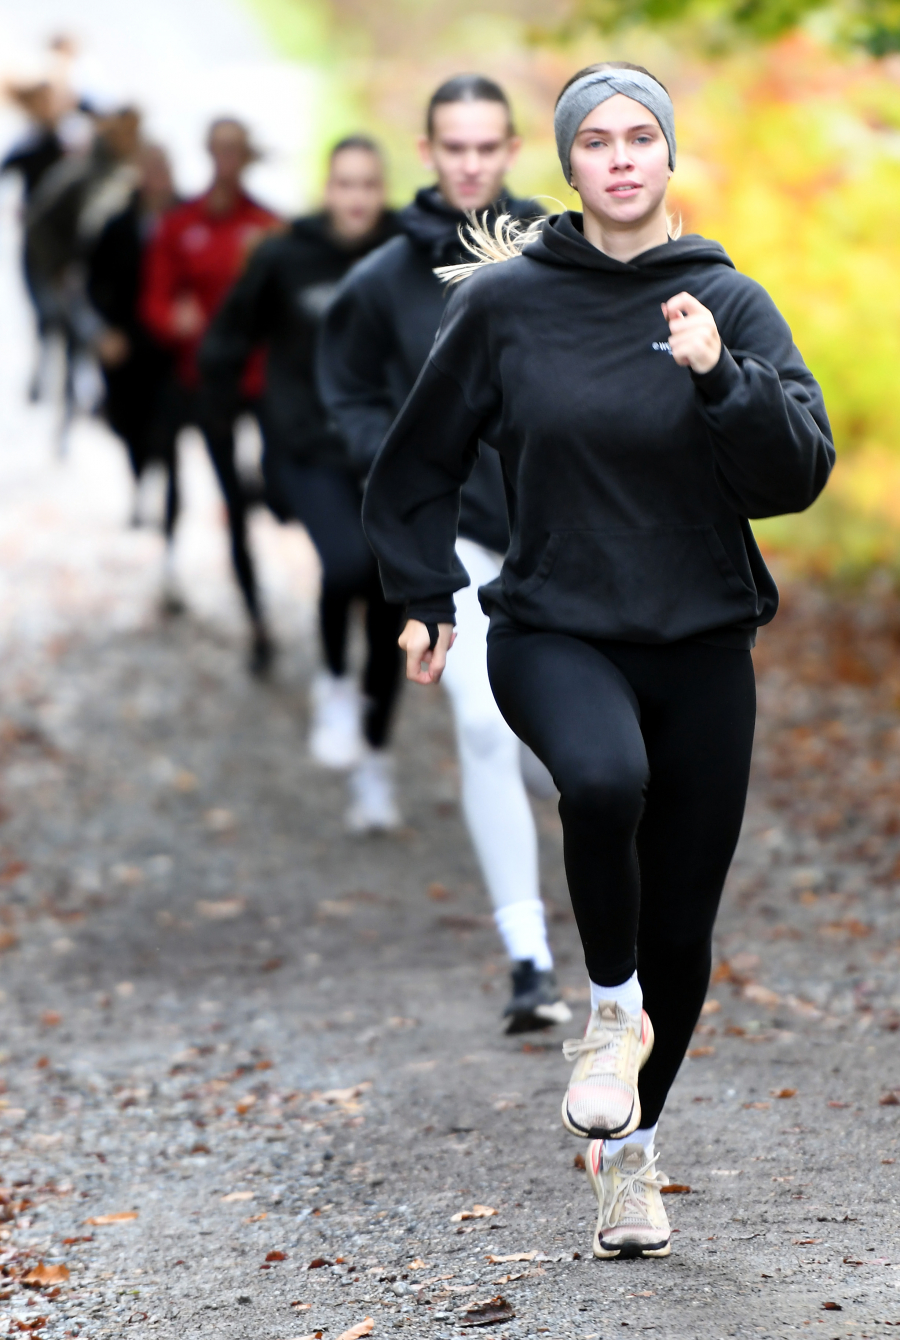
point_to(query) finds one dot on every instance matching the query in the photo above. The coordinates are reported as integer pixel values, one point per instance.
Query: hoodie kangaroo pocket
(649, 585)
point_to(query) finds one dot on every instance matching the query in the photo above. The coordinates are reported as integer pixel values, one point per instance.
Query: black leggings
(650, 749)
(328, 502)
(219, 435)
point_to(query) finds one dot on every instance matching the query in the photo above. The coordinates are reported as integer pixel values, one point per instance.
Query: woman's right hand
(424, 666)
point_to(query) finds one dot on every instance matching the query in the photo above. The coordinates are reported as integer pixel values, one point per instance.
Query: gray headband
(591, 90)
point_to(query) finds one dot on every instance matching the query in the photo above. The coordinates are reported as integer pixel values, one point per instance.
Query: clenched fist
(693, 337)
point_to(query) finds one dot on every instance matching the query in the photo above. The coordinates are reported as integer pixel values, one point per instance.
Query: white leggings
(493, 794)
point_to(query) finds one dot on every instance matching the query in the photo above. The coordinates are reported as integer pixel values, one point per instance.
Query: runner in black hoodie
(645, 400)
(279, 302)
(375, 340)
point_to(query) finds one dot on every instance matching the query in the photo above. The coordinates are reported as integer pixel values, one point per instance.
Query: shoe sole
(634, 1120)
(630, 1251)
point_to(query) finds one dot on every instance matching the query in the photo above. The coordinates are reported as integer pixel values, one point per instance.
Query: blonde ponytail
(488, 245)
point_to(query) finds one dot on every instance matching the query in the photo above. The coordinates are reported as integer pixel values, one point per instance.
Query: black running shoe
(536, 1001)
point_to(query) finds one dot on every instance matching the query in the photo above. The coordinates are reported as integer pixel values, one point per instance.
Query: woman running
(646, 399)
(193, 259)
(279, 302)
(137, 369)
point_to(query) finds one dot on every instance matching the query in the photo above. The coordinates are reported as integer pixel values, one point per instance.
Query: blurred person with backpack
(195, 256)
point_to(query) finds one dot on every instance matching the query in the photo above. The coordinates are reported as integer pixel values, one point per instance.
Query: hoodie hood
(562, 242)
(432, 225)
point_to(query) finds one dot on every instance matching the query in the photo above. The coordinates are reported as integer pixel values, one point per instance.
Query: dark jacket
(279, 302)
(134, 386)
(378, 335)
(630, 478)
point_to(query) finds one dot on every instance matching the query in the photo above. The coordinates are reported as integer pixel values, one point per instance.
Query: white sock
(627, 994)
(524, 932)
(644, 1135)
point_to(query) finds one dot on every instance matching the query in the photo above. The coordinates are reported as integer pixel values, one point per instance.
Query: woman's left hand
(693, 338)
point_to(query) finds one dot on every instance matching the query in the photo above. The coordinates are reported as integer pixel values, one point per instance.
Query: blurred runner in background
(194, 258)
(65, 214)
(279, 301)
(136, 368)
(31, 157)
(377, 335)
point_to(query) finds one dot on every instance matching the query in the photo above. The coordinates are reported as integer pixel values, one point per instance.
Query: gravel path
(252, 1072)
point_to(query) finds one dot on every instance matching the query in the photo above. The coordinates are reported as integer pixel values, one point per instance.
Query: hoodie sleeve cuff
(439, 609)
(717, 384)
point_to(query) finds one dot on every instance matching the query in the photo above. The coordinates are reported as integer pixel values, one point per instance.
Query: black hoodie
(378, 334)
(279, 301)
(630, 479)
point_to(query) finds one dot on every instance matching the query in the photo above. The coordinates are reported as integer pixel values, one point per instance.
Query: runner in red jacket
(198, 252)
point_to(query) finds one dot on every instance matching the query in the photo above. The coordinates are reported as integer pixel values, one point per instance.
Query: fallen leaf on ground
(761, 995)
(223, 910)
(8, 940)
(243, 1105)
(675, 1189)
(438, 892)
(256, 1218)
(418, 1264)
(301, 1307)
(98, 1220)
(696, 1052)
(40, 1275)
(711, 1007)
(37, 1324)
(516, 1256)
(318, 1262)
(362, 1328)
(487, 1312)
(345, 1095)
(51, 1018)
(889, 1100)
(783, 1093)
(761, 1107)
(804, 1242)
(237, 1195)
(832, 1102)
(218, 820)
(578, 1162)
(476, 1212)
(832, 1307)
(276, 1256)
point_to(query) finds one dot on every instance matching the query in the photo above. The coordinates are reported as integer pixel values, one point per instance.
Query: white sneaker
(632, 1219)
(373, 808)
(334, 738)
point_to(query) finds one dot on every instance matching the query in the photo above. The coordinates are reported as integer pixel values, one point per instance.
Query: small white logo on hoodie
(661, 346)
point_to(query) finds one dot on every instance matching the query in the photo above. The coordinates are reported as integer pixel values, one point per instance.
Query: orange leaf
(100, 1219)
(675, 1189)
(8, 940)
(578, 1162)
(889, 1100)
(696, 1052)
(476, 1212)
(276, 1256)
(783, 1093)
(354, 1333)
(41, 1275)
